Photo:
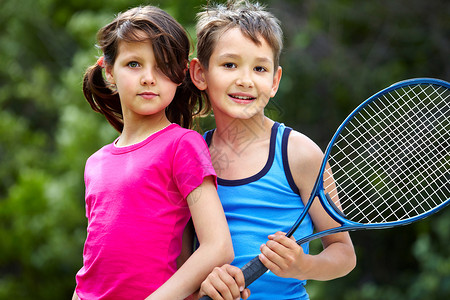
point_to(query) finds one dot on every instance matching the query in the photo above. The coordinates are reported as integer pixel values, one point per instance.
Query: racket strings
(416, 147)
(399, 175)
(391, 161)
(370, 166)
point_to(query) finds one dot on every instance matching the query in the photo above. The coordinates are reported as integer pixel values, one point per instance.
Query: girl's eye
(229, 65)
(260, 69)
(133, 64)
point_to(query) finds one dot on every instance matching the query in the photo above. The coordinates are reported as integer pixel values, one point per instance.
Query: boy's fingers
(270, 259)
(281, 238)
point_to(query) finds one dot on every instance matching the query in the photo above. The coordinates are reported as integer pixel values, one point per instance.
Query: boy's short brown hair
(251, 18)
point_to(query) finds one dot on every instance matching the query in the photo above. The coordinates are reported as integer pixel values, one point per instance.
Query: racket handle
(252, 271)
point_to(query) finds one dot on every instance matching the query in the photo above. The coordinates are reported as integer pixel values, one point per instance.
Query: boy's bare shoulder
(303, 153)
(303, 144)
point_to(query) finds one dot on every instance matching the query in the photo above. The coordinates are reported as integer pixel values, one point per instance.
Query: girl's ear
(197, 73)
(276, 82)
(109, 74)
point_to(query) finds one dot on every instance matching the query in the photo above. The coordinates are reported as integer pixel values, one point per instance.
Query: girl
(266, 170)
(142, 189)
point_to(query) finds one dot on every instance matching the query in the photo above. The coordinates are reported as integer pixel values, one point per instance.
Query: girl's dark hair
(171, 47)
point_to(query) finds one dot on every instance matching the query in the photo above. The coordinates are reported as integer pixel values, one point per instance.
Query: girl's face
(240, 78)
(144, 90)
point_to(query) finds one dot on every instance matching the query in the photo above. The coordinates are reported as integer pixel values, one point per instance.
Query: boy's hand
(283, 256)
(225, 283)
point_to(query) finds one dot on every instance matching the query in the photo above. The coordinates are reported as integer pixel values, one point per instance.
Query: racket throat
(340, 212)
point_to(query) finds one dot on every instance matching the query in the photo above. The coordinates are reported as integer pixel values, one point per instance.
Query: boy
(265, 169)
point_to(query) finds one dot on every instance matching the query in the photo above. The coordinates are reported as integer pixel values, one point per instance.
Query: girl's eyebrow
(130, 56)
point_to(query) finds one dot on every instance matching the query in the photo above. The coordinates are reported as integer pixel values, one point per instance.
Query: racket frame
(318, 189)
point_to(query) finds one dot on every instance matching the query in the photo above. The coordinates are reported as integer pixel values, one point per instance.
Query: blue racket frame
(318, 189)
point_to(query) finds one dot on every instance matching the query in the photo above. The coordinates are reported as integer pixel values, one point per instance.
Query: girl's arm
(188, 244)
(281, 254)
(215, 244)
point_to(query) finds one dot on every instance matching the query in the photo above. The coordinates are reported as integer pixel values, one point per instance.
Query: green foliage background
(337, 53)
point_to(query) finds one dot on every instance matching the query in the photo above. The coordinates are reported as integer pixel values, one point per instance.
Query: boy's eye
(229, 65)
(260, 69)
(133, 64)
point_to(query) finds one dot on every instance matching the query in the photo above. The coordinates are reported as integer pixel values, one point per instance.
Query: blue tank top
(260, 205)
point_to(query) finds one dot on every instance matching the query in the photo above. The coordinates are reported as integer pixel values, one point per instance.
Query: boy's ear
(109, 74)
(276, 82)
(197, 73)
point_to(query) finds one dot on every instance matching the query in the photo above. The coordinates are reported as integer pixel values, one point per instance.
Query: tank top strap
(282, 154)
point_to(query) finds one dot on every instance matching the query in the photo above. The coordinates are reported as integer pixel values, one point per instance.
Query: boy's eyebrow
(264, 60)
(228, 56)
(236, 56)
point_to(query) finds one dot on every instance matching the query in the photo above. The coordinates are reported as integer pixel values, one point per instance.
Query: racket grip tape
(252, 271)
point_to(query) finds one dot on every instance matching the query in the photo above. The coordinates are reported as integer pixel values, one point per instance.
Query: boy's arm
(281, 254)
(215, 244)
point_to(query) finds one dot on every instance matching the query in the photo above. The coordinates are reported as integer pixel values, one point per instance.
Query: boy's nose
(245, 80)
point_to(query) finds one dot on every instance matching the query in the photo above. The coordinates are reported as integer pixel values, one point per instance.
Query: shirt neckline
(133, 147)
(263, 171)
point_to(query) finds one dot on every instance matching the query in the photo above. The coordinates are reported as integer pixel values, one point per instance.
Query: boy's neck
(239, 132)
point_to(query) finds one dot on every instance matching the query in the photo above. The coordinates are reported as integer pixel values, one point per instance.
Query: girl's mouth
(148, 95)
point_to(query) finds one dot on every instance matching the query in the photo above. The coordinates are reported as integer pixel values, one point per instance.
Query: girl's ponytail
(187, 104)
(102, 97)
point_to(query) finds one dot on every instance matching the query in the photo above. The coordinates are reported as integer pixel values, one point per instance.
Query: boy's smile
(243, 98)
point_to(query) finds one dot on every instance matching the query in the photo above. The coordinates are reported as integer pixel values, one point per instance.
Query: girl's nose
(148, 78)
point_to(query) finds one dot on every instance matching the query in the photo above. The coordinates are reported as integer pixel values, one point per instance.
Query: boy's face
(240, 78)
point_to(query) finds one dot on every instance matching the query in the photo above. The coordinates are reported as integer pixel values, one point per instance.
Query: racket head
(390, 158)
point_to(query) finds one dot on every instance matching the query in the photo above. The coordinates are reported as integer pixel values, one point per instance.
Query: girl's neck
(136, 132)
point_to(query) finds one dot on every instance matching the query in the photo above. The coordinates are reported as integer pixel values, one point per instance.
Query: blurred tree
(337, 53)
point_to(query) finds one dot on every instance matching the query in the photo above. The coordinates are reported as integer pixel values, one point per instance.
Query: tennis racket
(389, 163)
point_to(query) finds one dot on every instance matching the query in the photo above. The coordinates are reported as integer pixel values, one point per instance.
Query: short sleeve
(192, 163)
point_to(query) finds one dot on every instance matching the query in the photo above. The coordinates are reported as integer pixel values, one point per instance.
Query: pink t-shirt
(136, 209)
